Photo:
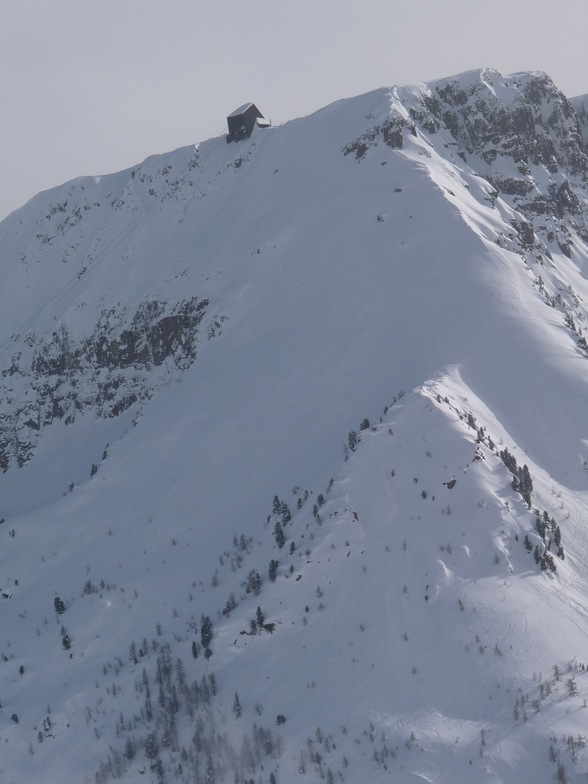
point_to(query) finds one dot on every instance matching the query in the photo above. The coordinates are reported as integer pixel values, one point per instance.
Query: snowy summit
(294, 452)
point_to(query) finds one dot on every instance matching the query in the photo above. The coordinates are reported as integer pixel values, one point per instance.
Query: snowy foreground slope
(295, 452)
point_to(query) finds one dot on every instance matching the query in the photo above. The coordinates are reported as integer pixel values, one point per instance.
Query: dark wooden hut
(242, 121)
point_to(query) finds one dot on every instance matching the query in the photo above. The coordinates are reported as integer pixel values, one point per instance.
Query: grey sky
(94, 86)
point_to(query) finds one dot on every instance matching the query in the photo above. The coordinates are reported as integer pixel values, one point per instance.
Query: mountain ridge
(364, 329)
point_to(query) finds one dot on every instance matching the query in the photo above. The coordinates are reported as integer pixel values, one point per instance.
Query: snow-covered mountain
(295, 452)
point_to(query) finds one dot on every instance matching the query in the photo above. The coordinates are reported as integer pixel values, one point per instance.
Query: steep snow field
(416, 636)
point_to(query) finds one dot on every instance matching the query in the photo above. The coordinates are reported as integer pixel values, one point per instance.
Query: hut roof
(241, 109)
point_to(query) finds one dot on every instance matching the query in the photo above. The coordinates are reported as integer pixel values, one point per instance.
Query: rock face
(580, 106)
(526, 139)
(105, 372)
(524, 118)
(519, 132)
(525, 121)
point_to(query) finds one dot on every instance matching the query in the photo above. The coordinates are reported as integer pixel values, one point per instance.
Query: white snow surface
(415, 637)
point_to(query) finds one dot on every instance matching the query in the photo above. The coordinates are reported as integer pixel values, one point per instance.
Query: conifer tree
(352, 440)
(205, 631)
(279, 535)
(273, 569)
(253, 583)
(59, 605)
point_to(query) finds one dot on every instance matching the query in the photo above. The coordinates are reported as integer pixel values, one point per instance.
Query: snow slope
(189, 347)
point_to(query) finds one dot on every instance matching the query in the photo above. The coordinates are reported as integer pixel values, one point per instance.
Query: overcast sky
(94, 86)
